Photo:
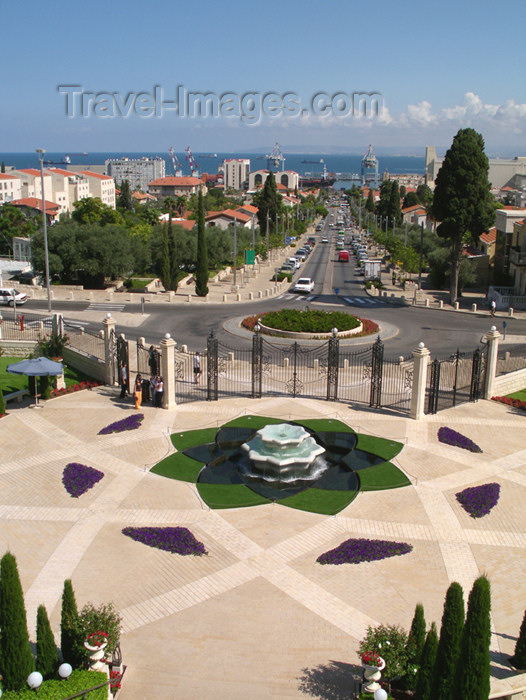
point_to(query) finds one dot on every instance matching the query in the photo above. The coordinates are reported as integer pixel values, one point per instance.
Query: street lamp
(34, 680)
(41, 152)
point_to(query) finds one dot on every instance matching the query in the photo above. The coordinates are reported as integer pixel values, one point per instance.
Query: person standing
(153, 384)
(153, 361)
(159, 392)
(124, 380)
(197, 367)
(137, 392)
(493, 307)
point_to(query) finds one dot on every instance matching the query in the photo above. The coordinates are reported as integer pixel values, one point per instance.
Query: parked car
(295, 262)
(304, 284)
(325, 239)
(9, 295)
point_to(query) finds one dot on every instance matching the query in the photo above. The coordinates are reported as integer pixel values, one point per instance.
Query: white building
(235, 173)
(68, 188)
(30, 183)
(288, 178)
(502, 171)
(138, 171)
(10, 187)
(102, 186)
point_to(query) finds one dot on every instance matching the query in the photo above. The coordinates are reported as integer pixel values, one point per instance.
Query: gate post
(167, 345)
(377, 365)
(492, 338)
(212, 368)
(418, 395)
(109, 350)
(333, 362)
(257, 362)
(57, 324)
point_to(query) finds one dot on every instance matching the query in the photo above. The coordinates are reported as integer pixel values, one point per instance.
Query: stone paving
(257, 617)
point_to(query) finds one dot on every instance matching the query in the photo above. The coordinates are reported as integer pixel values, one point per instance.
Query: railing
(517, 256)
(88, 344)
(23, 326)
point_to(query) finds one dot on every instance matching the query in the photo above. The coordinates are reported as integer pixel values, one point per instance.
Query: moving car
(343, 256)
(304, 284)
(324, 240)
(9, 295)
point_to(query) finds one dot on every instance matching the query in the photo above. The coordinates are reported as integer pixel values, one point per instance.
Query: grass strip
(320, 501)
(178, 466)
(325, 425)
(15, 382)
(521, 395)
(255, 422)
(229, 496)
(387, 449)
(382, 476)
(191, 438)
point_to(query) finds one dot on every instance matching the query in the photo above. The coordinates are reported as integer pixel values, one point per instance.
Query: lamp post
(41, 152)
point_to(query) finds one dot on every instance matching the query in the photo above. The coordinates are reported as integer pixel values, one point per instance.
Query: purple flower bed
(479, 500)
(129, 423)
(78, 478)
(451, 437)
(354, 551)
(178, 540)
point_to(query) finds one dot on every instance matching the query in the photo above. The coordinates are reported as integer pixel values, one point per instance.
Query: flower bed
(479, 500)
(78, 478)
(515, 403)
(177, 540)
(97, 639)
(368, 327)
(72, 388)
(372, 658)
(355, 551)
(451, 437)
(129, 423)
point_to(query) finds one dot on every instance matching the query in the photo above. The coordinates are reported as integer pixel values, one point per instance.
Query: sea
(303, 164)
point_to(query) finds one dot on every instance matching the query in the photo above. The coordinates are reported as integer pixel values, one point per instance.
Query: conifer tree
(449, 643)
(69, 636)
(166, 276)
(268, 201)
(369, 205)
(427, 665)
(395, 214)
(16, 657)
(47, 652)
(519, 658)
(201, 272)
(174, 258)
(472, 677)
(2, 403)
(415, 643)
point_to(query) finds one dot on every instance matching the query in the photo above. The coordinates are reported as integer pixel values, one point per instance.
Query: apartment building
(31, 183)
(68, 188)
(138, 171)
(505, 219)
(235, 173)
(101, 186)
(10, 188)
(173, 186)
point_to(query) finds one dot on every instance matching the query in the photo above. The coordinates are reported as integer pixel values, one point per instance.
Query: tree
(174, 258)
(69, 636)
(390, 643)
(47, 653)
(125, 199)
(519, 657)
(2, 403)
(449, 643)
(15, 651)
(415, 644)
(427, 664)
(2, 168)
(472, 675)
(14, 223)
(395, 215)
(166, 268)
(424, 194)
(369, 205)
(91, 210)
(268, 202)
(462, 200)
(201, 269)
(410, 200)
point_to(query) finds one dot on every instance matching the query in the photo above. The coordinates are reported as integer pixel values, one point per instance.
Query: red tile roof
(248, 208)
(489, 236)
(61, 171)
(35, 203)
(414, 209)
(229, 214)
(4, 176)
(32, 171)
(89, 173)
(185, 223)
(172, 180)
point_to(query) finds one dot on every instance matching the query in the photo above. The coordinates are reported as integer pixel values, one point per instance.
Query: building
(235, 173)
(504, 223)
(502, 171)
(517, 258)
(101, 186)
(10, 188)
(33, 206)
(227, 218)
(288, 178)
(487, 243)
(415, 215)
(67, 188)
(173, 186)
(31, 183)
(138, 171)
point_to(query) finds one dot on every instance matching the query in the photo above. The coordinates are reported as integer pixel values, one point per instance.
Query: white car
(304, 284)
(324, 240)
(9, 296)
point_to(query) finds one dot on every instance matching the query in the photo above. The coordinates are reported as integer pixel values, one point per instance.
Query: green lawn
(382, 476)
(320, 501)
(178, 466)
(15, 382)
(191, 438)
(137, 283)
(521, 395)
(378, 446)
(236, 496)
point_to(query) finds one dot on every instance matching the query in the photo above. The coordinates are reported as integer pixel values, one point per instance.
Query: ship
(207, 155)
(314, 161)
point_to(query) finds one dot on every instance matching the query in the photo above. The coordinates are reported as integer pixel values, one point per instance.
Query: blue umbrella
(37, 367)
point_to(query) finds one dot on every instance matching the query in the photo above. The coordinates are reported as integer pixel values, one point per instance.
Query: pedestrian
(493, 307)
(159, 392)
(153, 361)
(137, 392)
(153, 383)
(124, 380)
(197, 367)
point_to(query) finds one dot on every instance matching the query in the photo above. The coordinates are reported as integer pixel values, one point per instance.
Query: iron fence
(511, 359)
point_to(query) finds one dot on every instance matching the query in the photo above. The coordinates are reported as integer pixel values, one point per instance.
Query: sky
(240, 76)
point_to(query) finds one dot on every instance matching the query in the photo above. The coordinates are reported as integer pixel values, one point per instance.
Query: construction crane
(66, 160)
(193, 163)
(369, 162)
(178, 170)
(275, 157)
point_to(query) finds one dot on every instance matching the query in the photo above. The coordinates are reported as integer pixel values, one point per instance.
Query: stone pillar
(167, 347)
(418, 395)
(1, 326)
(109, 357)
(492, 338)
(57, 324)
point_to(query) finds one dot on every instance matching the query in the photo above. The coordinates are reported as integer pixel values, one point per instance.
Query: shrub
(354, 551)
(390, 643)
(105, 618)
(58, 689)
(449, 643)
(427, 664)
(509, 401)
(309, 321)
(472, 678)
(415, 642)
(479, 500)
(70, 637)
(451, 437)
(47, 652)
(519, 658)
(52, 346)
(2, 403)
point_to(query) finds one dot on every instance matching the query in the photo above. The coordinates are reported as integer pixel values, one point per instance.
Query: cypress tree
(427, 665)
(369, 205)
(472, 677)
(47, 652)
(519, 658)
(415, 642)
(201, 272)
(2, 403)
(166, 276)
(16, 656)
(395, 213)
(69, 635)
(174, 258)
(449, 643)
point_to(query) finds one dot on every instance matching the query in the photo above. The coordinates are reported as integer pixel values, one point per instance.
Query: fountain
(284, 453)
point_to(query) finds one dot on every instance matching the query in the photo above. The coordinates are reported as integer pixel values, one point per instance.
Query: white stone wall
(508, 383)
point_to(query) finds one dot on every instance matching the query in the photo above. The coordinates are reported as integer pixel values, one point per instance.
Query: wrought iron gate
(148, 360)
(123, 358)
(456, 379)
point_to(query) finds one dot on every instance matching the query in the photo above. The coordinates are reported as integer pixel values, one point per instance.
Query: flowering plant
(115, 681)
(78, 478)
(479, 500)
(73, 388)
(97, 639)
(516, 403)
(451, 437)
(372, 658)
(354, 551)
(177, 540)
(129, 423)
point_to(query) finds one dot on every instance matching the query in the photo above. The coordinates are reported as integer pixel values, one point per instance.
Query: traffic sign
(504, 324)
(336, 290)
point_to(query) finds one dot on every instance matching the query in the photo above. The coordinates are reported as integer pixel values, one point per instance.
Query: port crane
(369, 162)
(66, 160)
(193, 163)
(178, 170)
(275, 157)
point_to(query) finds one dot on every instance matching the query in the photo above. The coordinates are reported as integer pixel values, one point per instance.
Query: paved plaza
(258, 617)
